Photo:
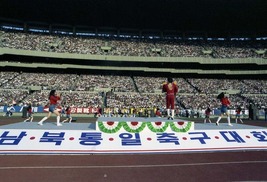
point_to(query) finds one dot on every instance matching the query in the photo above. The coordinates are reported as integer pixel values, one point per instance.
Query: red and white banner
(78, 110)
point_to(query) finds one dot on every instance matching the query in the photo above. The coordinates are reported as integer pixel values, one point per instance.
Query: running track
(224, 166)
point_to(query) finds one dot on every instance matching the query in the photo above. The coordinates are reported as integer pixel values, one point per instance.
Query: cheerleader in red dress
(170, 88)
(224, 108)
(53, 99)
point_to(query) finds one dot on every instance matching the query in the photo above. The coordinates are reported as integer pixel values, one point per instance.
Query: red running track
(219, 166)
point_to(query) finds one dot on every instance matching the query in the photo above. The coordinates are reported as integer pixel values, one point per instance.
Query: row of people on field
(237, 115)
(170, 88)
(126, 102)
(65, 111)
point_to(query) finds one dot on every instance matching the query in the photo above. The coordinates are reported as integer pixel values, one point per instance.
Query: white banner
(42, 141)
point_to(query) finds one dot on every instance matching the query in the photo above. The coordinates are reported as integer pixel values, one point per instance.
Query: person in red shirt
(54, 97)
(158, 113)
(238, 114)
(170, 88)
(225, 104)
(207, 114)
(68, 116)
(29, 113)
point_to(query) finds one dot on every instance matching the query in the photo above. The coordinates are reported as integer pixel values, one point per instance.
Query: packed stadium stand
(126, 93)
(133, 47)
(110, 58)
(126, 67)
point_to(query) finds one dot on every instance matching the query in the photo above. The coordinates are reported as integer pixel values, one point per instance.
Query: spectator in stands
(54, 97)
(170, 88)
(225, 103)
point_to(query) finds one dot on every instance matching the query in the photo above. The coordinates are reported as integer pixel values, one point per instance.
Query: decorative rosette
(180, 126)
(158, 126)
(134, 126)
(109, 126)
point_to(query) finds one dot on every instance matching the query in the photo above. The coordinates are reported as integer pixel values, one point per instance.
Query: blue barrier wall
(20, 108)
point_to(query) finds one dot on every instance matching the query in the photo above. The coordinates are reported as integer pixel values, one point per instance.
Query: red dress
(171, 89)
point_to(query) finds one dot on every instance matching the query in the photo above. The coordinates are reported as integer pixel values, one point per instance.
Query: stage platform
(110, 135)
(51, 125)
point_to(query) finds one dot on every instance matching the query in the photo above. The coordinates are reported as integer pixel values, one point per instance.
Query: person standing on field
(54, 97)
(225, 103)
(171, 89)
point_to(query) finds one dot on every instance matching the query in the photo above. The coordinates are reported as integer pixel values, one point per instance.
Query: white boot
(41, 122)
(218, 120)
(168, 113)
(172, 114)
(58, 121)
(228, 119)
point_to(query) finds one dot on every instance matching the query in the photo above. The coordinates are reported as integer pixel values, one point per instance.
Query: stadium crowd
(127, 92)
(132, 47)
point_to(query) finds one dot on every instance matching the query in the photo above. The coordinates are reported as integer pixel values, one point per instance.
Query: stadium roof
(178, 15)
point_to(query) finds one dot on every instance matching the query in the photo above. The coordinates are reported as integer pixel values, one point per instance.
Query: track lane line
(132, 166)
